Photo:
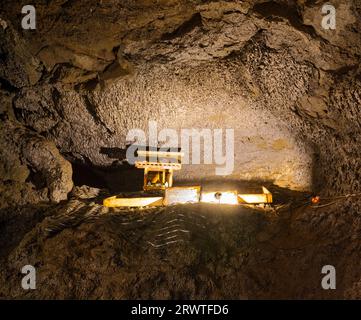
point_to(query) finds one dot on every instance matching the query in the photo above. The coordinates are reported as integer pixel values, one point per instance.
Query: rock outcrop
(32, 168)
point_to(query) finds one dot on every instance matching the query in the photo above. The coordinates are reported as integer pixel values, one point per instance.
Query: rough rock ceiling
(95, 69)
(108, 38)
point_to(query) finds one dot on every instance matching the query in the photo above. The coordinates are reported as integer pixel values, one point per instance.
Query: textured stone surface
(85, 251)
(264, 148)
(93, 70)
(32, 168)
(254, 67)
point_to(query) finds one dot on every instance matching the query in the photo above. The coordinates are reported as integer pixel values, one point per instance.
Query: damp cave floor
(82, 250)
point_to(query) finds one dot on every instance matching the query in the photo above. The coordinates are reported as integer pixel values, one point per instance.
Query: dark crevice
(68, 4)
(344, 70)
(116, 51)
(56, 98)
(311, 3)
(36, 178)
(93, 112)
(271, 10)
(55, 74)
(186, 27)
(118, 177)
(6, 85)
(84, 174)
(58, 71)
(87, 86)
(113, 71)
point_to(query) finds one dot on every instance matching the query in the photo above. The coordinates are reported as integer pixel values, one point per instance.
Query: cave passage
(256, 93)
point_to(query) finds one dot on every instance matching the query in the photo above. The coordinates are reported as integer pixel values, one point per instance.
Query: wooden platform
(191, 194)
(133, 202)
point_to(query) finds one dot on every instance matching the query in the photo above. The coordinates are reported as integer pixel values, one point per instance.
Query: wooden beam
(133, 202)
(157, 165)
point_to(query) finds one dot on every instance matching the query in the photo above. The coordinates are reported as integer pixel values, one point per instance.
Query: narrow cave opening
(114, 178)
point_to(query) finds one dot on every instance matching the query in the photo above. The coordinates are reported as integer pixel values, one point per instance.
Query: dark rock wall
(95, 69)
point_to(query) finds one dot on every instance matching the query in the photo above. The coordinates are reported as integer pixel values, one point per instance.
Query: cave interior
(73, 88)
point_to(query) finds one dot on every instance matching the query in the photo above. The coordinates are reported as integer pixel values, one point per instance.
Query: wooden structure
(133, 202)
(220, 197)
(193, 194)
(260, 198)
(158, 165)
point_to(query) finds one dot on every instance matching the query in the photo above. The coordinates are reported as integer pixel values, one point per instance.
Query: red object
(315, 199)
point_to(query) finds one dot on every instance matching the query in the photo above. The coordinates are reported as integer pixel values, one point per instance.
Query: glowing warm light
(132, 202)
(265, 197)
(315, 199)
(222, 197)
(253, 198)
(192, 194)
(182, 195)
